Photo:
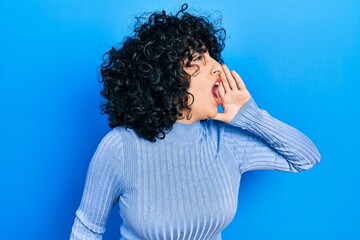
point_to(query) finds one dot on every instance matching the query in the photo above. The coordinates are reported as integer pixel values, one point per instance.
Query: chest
(179, 191)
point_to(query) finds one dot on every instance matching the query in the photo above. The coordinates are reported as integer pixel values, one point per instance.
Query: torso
(177, 190)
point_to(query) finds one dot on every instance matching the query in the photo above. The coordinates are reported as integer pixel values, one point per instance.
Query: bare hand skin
(233, 93)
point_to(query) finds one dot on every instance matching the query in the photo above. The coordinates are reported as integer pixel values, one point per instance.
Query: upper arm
(102, 188)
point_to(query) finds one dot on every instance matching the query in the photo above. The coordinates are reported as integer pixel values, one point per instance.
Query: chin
(213, 113)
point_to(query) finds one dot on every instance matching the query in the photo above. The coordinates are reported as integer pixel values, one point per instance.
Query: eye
(198, 57)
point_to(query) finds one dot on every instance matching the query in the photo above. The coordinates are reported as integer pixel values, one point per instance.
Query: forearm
(291, 144)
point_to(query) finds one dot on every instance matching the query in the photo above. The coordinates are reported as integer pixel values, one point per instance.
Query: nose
(215, 66)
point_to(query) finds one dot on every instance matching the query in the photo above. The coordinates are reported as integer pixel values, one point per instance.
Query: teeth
(217, 84)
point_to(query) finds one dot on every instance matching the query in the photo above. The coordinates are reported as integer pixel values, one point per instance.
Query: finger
(230, 78)
(224, 82)
(239, 80)
(222, 91)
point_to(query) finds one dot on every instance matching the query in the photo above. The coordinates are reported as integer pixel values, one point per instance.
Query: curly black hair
(144, 82)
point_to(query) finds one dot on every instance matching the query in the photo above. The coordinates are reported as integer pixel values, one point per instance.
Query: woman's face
(204, 86)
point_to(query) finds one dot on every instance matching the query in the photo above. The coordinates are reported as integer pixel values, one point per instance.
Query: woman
(172, 162)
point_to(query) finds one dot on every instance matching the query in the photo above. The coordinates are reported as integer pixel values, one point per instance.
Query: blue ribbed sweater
(185, 186)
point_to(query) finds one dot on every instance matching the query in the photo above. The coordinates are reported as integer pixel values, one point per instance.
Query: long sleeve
(261, 142)
(102, 189)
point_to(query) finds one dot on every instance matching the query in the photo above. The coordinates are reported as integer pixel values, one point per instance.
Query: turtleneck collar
(182, 132)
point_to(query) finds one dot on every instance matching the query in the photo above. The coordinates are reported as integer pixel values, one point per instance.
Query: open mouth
(215, 92)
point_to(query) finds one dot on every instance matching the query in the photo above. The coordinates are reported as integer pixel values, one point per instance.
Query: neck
(184, 131)
(186, 121)
(188, 118)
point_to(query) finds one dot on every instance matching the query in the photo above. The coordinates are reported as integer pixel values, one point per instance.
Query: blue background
(299, 59)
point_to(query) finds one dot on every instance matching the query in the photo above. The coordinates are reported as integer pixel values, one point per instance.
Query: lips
(215, 92)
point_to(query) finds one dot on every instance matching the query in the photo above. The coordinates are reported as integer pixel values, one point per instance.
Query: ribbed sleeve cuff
(94, 228)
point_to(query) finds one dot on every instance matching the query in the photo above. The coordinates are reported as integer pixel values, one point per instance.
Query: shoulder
(109, 157)
(226, 134)
(212, 127)
(222, 129)
(113, 142)
(213, 132)
(118, 135)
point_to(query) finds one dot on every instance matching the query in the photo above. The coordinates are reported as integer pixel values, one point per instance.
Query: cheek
(201, 92)
(194, 86)
(200, 88)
